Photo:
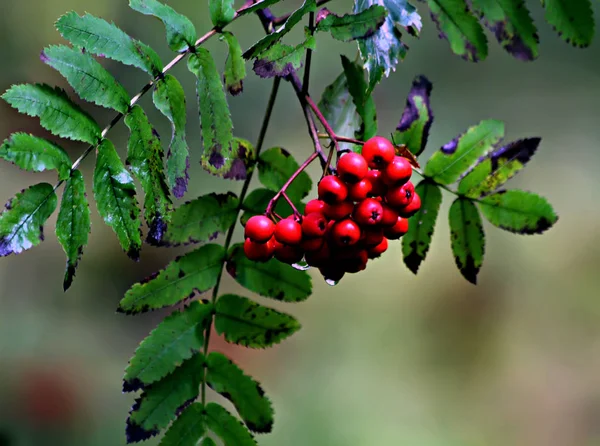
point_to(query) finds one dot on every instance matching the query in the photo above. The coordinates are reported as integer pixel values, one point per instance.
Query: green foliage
(365, 105)
(572, 19)
(87, 77)
(208, 442)
(259, 5)
(276, 166)
(57, 113)
(226, 427)
(105, 39)
(181, 33)
(35, 154)
(252, 325)
(467, 238)
(114, 192)
(221, 12)
(173, 341)
(281, 59)
(248, 397)
(22, 222)
(195, 272)
(413, 128)
(189, 427)
(235, 65)
(73, 224)
(256, 203)
(352, 26)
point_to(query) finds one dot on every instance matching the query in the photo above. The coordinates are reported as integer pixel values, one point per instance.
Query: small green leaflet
(466, 238)
(276, 166)
(365, 105)
(105, 39)
(202, 219)
(159, 403)
(22, 222)
(173, 341)
(281, 59)
(215, 119)
(87, 77)
(518, 211)
(235, 65)
(208, 442)
(462, 30)
(181, 33)
(271, 279)
(413, 128)
(510, 21)
(73, 224)
(497, 168)
(416, 242)
(114, 192)
(454, 158)
(35, 154)
(227, 427)
(270, 39)
(221, 12)
(573, 20)
(187, 429)
(338, 108)
(248, 397)
(169, 99)
(250, 8)
(257, 202)
(352, 26)
(195, 272)
(57, 113)
(145, 158)
(250, 324)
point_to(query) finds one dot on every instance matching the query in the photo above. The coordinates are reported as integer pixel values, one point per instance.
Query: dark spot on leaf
(236, 88)
(216, 160)
(450, 147)
(43, 57)
(132, 386)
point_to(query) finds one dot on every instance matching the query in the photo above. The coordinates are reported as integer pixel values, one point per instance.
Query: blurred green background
(384, 358)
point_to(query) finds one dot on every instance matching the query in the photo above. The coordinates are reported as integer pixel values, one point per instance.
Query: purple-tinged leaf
(351, 26)
(244, 160)
(281, 60)
(413, 129)
(235, 65)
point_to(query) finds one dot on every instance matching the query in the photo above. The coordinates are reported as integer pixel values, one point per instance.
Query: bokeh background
(384, 358)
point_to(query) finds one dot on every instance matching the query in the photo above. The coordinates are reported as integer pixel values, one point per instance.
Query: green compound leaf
(22, 222)
(169, 99)
(270, 39)
(87, 77)
(215, 119)
(338, 108)
(202, 219)
(35, 154)
(276, 166)
(105, 39)
(159, 403)
(462, 30)
(195, 272)
(365, 105)
(512, 25)
(235, 65)
(227, 427)
(250, 8)
(416, 242)
(145, 158)
(518, 211)
(271, 279)
(247, 323)
(57, 113)
(73, 224)
(181, 33)
(187, 429)
(573, 20)
(467, 238)
(208, 442)
(498, 167)
(456, 157)
(248, 397)
(114, 192)
(256, 203)
(281, 60)
(221, 12)
(173, 341)
(352, 26)
(413, 129)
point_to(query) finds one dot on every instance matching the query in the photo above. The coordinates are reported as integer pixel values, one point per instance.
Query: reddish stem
(323, 121)
(284, 195)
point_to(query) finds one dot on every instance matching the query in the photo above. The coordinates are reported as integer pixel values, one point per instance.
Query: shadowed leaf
(231, 431)
(208, 442)
(253, 7)
(276, 166)
(466, 238)
(221, 12)
(365, 105)
(235, 65)
(244, 161)
(281, 60)
(573, 20)
(187, 429)
(352, 26)
(413, 129)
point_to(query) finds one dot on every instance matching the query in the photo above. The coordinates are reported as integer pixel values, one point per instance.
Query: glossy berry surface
(259, 229)
(314, 206)
(338, 211)
(359, 191)
(287, 254)
(345, 233)
(400, 196)
(398, 230)
(378, 187)
(332, 190)
(376, 251)
(368, 212)
(314, 225)
(352, 167)
(412, 208)
(378, 152)
(372, 236)
(397, 172)
(389, 216)
(288, 231)
(259, 252)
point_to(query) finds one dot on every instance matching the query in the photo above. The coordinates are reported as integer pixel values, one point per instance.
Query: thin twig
(306, 78)
(285, 196)
(342, 139)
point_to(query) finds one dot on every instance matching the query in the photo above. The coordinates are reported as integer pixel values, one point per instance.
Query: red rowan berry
(314, 225)
(352, 167)
(338, 211)
(345, 233)
(359, 191)
(397, 172)
(399, 197)
(368, 212)
(376, 251)
(288, 231)
(259, 252)
(332, 189)
(378, 152)
(412, 208)
(259, 229)
(398, 230)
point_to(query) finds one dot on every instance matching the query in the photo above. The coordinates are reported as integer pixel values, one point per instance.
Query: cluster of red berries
(366, 203)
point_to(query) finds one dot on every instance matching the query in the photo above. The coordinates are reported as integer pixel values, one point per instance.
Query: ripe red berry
(359, 191)
(352, 167)
(288, 254)
(412, 208)
(314, 206)
(338, 211)
(320, 257)
(345, 233)
(400, 196)
(398, 230)
(352, 260)
(332, 189)
(371, 237)
(312, 244)
(259, 252)
(378, 152)
(259, 229)
(397, 172)
(368, 212)
(389, 216)
(378, 187)
(314, 225)
(376, 251)
(288, 231)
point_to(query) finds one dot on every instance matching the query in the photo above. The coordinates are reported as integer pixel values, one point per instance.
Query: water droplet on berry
(331, 282)
(301, 265)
